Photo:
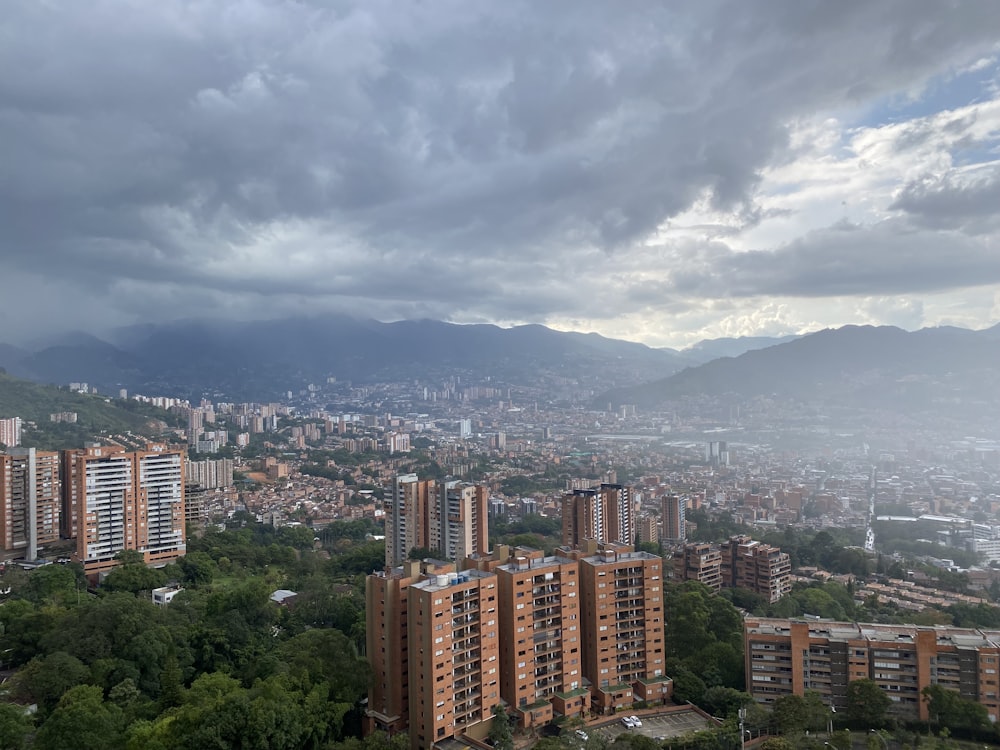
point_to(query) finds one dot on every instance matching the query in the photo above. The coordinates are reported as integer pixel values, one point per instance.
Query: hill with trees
(96, 415)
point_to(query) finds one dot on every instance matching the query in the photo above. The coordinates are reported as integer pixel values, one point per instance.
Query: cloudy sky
(656, 171)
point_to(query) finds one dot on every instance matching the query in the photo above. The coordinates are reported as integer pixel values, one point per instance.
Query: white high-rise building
(10, 431)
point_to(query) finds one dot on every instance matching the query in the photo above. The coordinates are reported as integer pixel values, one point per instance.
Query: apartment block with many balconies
(785, 657)
(622, 613)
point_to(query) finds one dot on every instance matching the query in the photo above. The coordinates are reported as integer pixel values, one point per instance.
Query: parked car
(582, 735)
(627, 721)
(636, 722)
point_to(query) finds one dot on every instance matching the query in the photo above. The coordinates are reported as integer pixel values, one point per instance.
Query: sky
(657, 172)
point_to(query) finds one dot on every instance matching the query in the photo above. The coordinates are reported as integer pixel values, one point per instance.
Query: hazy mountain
(708, 349)
(864, 367)
(263, 358)
(11, 355)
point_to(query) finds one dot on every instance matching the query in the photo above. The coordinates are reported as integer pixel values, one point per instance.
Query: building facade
(674, 528)
(127, 501)
(622, 615)
(450, 517)
(30, 496)
(602, 514)
(541, 638)
(788, 657)
(454, 654)
(739, 562)
(755, 566)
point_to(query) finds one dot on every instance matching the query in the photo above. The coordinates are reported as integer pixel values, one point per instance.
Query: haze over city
(655, 173)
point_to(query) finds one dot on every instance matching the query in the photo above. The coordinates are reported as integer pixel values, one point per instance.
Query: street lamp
(885, 744)
(742, 713)
(829, 721)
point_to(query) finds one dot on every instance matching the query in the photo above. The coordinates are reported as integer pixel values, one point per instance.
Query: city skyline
(655, 174)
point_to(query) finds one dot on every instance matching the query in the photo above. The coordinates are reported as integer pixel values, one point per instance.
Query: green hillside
(97, 416)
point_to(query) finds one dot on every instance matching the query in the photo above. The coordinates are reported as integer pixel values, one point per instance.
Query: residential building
(759, 567)
(387, 642)
(674, 529)
(127, 501)
(450, 517)
(788, 657)
(622, 616)
(210, 474)
(603, 514)
(541, 638)
(454, 655)
(459, 521)
(10, 431)
(649, 530)
(407, 511)
(30, 493)
(699, 562)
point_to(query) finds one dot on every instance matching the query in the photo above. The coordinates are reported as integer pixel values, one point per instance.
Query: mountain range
(862, 366)
(258, 360)
(945, 370)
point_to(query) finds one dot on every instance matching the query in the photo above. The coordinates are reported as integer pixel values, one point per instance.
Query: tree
(867, 704)
(723, 701)
(949, 709)
(789, 714)
(776, 743)
(15, 725)
(83, 720)
(500, 734)
(45, 679)
(133, 578)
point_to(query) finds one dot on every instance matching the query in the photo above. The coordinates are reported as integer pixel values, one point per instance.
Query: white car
(582, 735)
(635, 721)
(627, 721)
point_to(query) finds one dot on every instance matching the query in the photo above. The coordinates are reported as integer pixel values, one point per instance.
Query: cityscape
(500, 376)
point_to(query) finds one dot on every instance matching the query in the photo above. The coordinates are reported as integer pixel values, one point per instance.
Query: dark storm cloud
(447, 156)
(966, 201)
(842, 260)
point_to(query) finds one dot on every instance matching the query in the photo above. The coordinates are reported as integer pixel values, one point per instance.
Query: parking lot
(659, 727)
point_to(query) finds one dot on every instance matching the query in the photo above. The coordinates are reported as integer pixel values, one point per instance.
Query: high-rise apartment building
(450, 517)
(454, 654)
(29, 501)
(674, 529)
(552, 636)
(541, 637)
(699, 562)
(10, 431)
(387, 644)
(407, 515)
(759, 567)
(459, 520)
(622, 615)
(127, 501)
(210, 474)
(786, 657)
(602, 514)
